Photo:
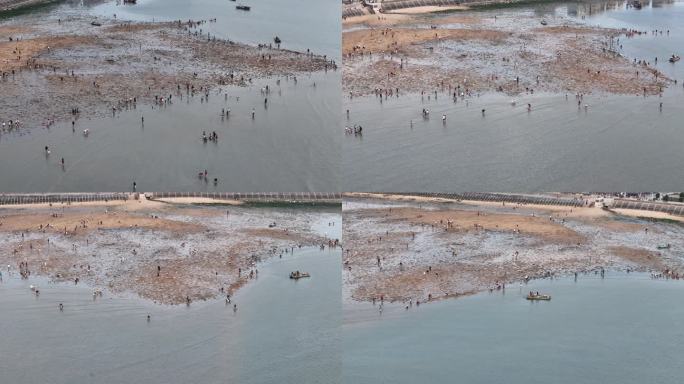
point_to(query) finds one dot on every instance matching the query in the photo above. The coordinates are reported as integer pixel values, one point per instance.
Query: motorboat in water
(536, 296)
(296, 275)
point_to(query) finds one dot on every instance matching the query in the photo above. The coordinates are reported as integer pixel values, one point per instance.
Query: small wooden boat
(243, 7)
(296, 275)
(674, 59)
(539, 297)
(96, 24)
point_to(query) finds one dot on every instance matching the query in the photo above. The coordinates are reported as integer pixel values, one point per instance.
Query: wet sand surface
(56, 66)
(166, 253)
(480, 52)
(454, 249)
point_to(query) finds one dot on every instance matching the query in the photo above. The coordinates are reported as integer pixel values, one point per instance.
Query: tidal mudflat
(538, 97)
(167, 253)
(414, 250)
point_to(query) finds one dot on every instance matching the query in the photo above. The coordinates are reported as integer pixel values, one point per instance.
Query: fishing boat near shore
(243, 7)
(96, 24)
(674, 58)
(296, 275)
(537, 296)
(666, 246)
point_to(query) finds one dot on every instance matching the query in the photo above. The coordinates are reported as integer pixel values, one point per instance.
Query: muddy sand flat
(203, 252)
(473, 53)
(414, 250)
(58, 67)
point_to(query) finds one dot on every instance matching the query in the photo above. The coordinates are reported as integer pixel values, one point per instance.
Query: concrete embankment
(503, 198)
(669, 208)
(353, 12)
(676, 209)
(257, 197)
(298, 197)
(45, 198)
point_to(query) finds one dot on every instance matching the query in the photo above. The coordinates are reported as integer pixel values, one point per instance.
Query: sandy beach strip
(428, 9)
(198, 200)
(130, 204)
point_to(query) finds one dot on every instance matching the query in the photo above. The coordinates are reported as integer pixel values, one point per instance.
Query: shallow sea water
(618, 143)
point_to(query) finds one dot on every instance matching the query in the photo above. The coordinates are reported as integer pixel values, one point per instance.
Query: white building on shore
(376, 5)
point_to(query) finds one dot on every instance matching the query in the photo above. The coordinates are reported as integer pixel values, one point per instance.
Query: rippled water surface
(293, 145)
(621, 329)
(300, 24)
(289, 146)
